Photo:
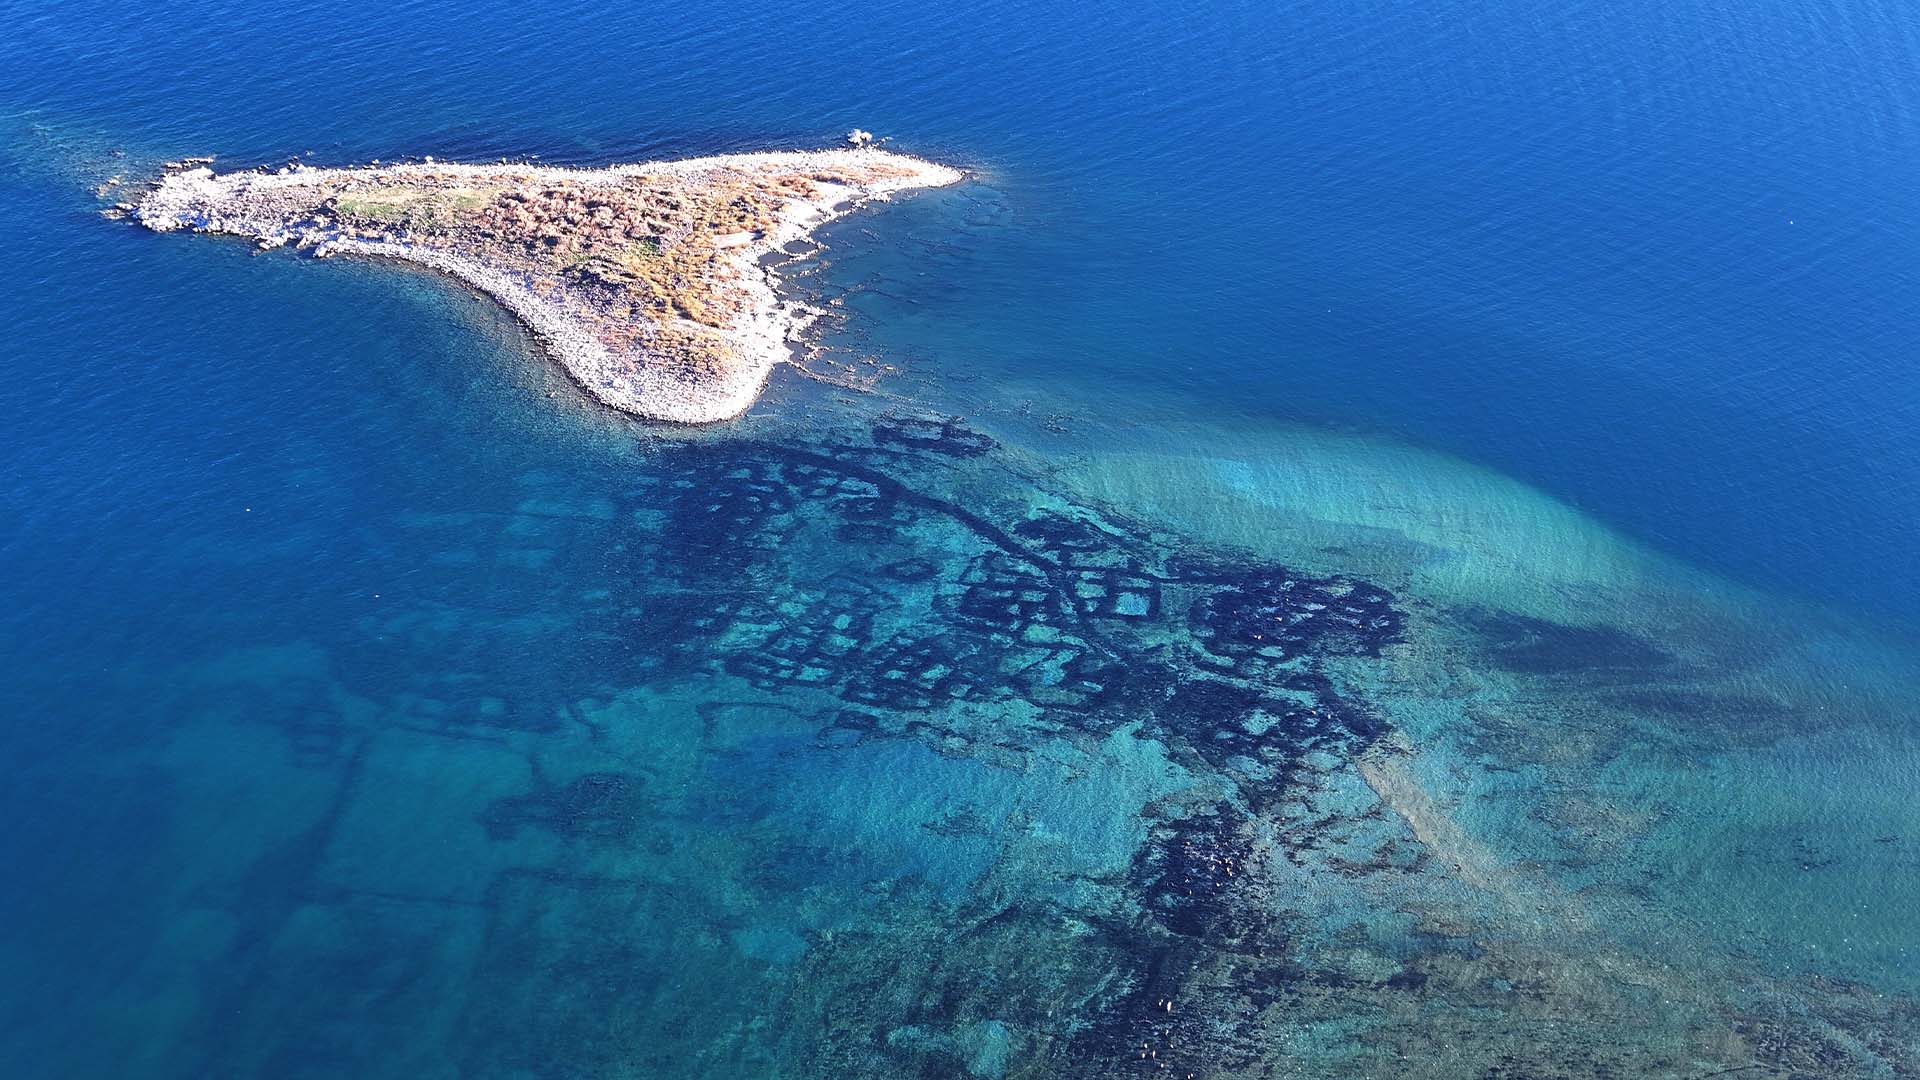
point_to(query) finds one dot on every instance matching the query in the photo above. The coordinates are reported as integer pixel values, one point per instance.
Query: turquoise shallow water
(1422, 594)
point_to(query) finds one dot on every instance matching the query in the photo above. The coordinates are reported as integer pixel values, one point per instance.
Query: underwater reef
(876, 755)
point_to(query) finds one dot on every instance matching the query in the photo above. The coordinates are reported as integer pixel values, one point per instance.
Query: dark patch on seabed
(1539, 647)
(1086, 619)
(910, 587)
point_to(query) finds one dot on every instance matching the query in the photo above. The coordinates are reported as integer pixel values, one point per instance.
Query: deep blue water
(1373, 289)
(1654, 258)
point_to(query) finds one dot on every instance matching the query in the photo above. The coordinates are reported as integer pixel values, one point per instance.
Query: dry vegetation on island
(643, 281)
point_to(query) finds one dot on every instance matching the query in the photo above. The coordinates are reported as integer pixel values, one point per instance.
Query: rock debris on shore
(643, 281)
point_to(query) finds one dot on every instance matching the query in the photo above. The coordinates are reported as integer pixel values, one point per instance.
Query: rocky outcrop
(643, 281)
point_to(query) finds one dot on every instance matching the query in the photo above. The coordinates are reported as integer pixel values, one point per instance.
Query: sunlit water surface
(1364, 541)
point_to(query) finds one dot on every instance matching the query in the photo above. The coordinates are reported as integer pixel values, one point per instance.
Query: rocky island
(645, 282)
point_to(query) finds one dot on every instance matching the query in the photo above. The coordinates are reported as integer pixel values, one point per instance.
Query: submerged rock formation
(642, 281)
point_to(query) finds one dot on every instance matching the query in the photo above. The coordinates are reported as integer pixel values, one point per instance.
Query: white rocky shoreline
(621, 361)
